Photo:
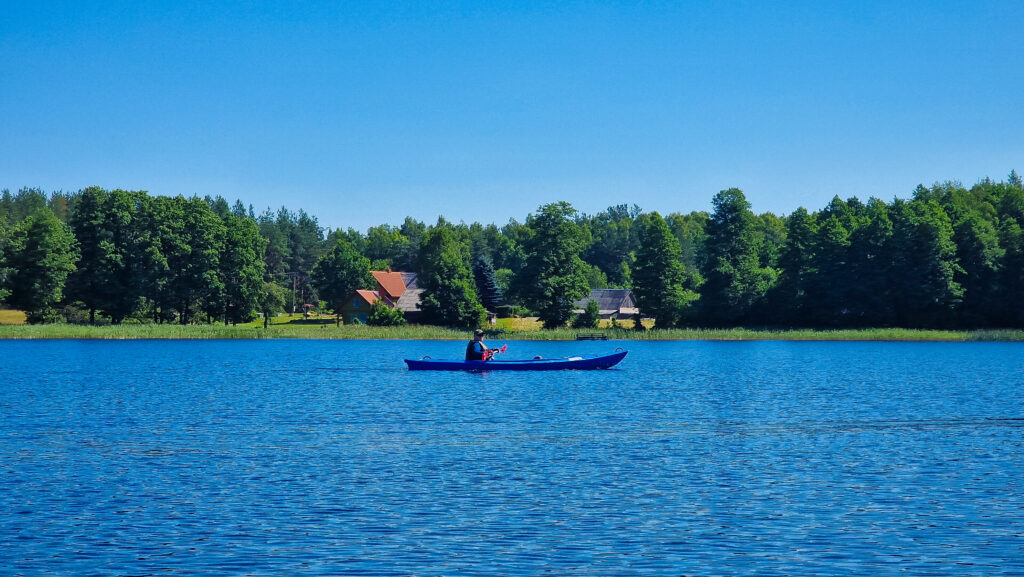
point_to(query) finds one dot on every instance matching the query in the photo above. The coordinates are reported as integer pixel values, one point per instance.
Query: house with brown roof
(611, 303)
(396, 289)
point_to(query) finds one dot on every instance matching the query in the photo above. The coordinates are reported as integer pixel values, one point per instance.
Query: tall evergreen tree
(658, 276)
(924, 287)
(980, 256)
(828, 296)
(4, 271)
(305, 241)
(870, 261)
(790, 300)
(486, 285)
(1011, 277)
(278, 253)
(553, 277)
(736, 281)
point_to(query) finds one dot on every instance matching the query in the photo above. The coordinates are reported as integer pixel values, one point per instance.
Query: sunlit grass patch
(519, 324)
(11, 317)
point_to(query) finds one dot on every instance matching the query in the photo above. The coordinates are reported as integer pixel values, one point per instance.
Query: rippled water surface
(690, 458)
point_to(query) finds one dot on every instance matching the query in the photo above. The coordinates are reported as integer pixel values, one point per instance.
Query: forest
(947, 257)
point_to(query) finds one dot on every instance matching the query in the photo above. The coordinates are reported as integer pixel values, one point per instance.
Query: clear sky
(364, 113)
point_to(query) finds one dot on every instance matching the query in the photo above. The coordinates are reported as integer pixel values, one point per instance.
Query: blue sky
(363, 114)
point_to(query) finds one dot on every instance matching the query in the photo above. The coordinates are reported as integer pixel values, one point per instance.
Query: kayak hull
(580, 362)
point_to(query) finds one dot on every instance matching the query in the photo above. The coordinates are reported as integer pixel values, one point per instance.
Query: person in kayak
(476, 350)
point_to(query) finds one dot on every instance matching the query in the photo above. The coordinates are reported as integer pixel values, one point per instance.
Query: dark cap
(478, 333)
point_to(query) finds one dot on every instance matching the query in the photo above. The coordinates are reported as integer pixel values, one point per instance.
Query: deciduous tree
(341, 272)
(449, 295)
(41, 255)
(553, 277)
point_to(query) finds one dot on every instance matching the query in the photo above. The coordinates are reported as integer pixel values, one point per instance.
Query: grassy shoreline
(329, 331)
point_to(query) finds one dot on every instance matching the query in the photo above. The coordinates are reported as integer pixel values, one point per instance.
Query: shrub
(381, 315)
(589, 318)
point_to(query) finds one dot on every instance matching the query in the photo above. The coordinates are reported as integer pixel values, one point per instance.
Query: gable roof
(369, 296)
(410, 301)
(608, 299)
(390, 282)
(409, 278)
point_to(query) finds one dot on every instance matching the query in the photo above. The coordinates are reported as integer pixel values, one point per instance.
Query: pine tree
(659, 278)
(486, 285)
(736, 281)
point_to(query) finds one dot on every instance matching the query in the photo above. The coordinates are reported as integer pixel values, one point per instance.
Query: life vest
(472, 354)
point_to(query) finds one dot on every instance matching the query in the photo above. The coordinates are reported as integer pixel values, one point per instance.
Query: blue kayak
(581, 362)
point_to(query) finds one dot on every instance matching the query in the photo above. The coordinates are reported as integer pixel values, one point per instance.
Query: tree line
(948, 257)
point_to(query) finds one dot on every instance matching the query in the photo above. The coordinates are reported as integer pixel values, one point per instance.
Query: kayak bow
(581, 362)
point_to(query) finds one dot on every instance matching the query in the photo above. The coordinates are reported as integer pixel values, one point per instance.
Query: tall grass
(330, 331)
(171, 331)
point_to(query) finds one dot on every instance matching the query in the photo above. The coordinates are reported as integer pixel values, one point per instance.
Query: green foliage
(386, 247)
(589, 318)
(271, 301)
(612, 245)
(341, 272)
(596, 279)
(487, 284)
(109, 275)
(381, 315)
(449, 297)
(736, 280)
(4, 271)
(277, 253)
(242, 269)
(924, 264)
(41, 255)
(659, 279)
(790, 295)
(952, 256)
(1011, 277)
(553, 277)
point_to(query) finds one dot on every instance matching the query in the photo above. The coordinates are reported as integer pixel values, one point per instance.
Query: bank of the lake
(421, 332)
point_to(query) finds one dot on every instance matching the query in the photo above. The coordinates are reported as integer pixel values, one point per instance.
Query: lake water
(690, 458)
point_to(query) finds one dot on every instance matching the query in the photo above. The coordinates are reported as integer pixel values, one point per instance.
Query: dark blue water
(691, 458)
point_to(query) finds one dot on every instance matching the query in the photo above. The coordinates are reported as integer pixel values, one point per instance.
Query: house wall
(355, 308)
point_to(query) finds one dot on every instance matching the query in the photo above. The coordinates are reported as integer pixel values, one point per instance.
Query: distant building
(611, 303)
(397, 290)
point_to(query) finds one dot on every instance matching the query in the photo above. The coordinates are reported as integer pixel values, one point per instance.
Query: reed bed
(330, 331)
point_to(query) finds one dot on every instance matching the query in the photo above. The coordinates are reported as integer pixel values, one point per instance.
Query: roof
(390, 282)
(409, 278)
(608, 299)
(369, 296)
(410, 301)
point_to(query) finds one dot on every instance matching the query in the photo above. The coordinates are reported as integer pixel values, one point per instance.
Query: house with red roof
(396, 289)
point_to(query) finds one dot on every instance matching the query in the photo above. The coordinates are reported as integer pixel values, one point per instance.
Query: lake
(690, 458)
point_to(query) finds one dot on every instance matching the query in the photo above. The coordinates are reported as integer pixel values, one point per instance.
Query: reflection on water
(310, 457)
